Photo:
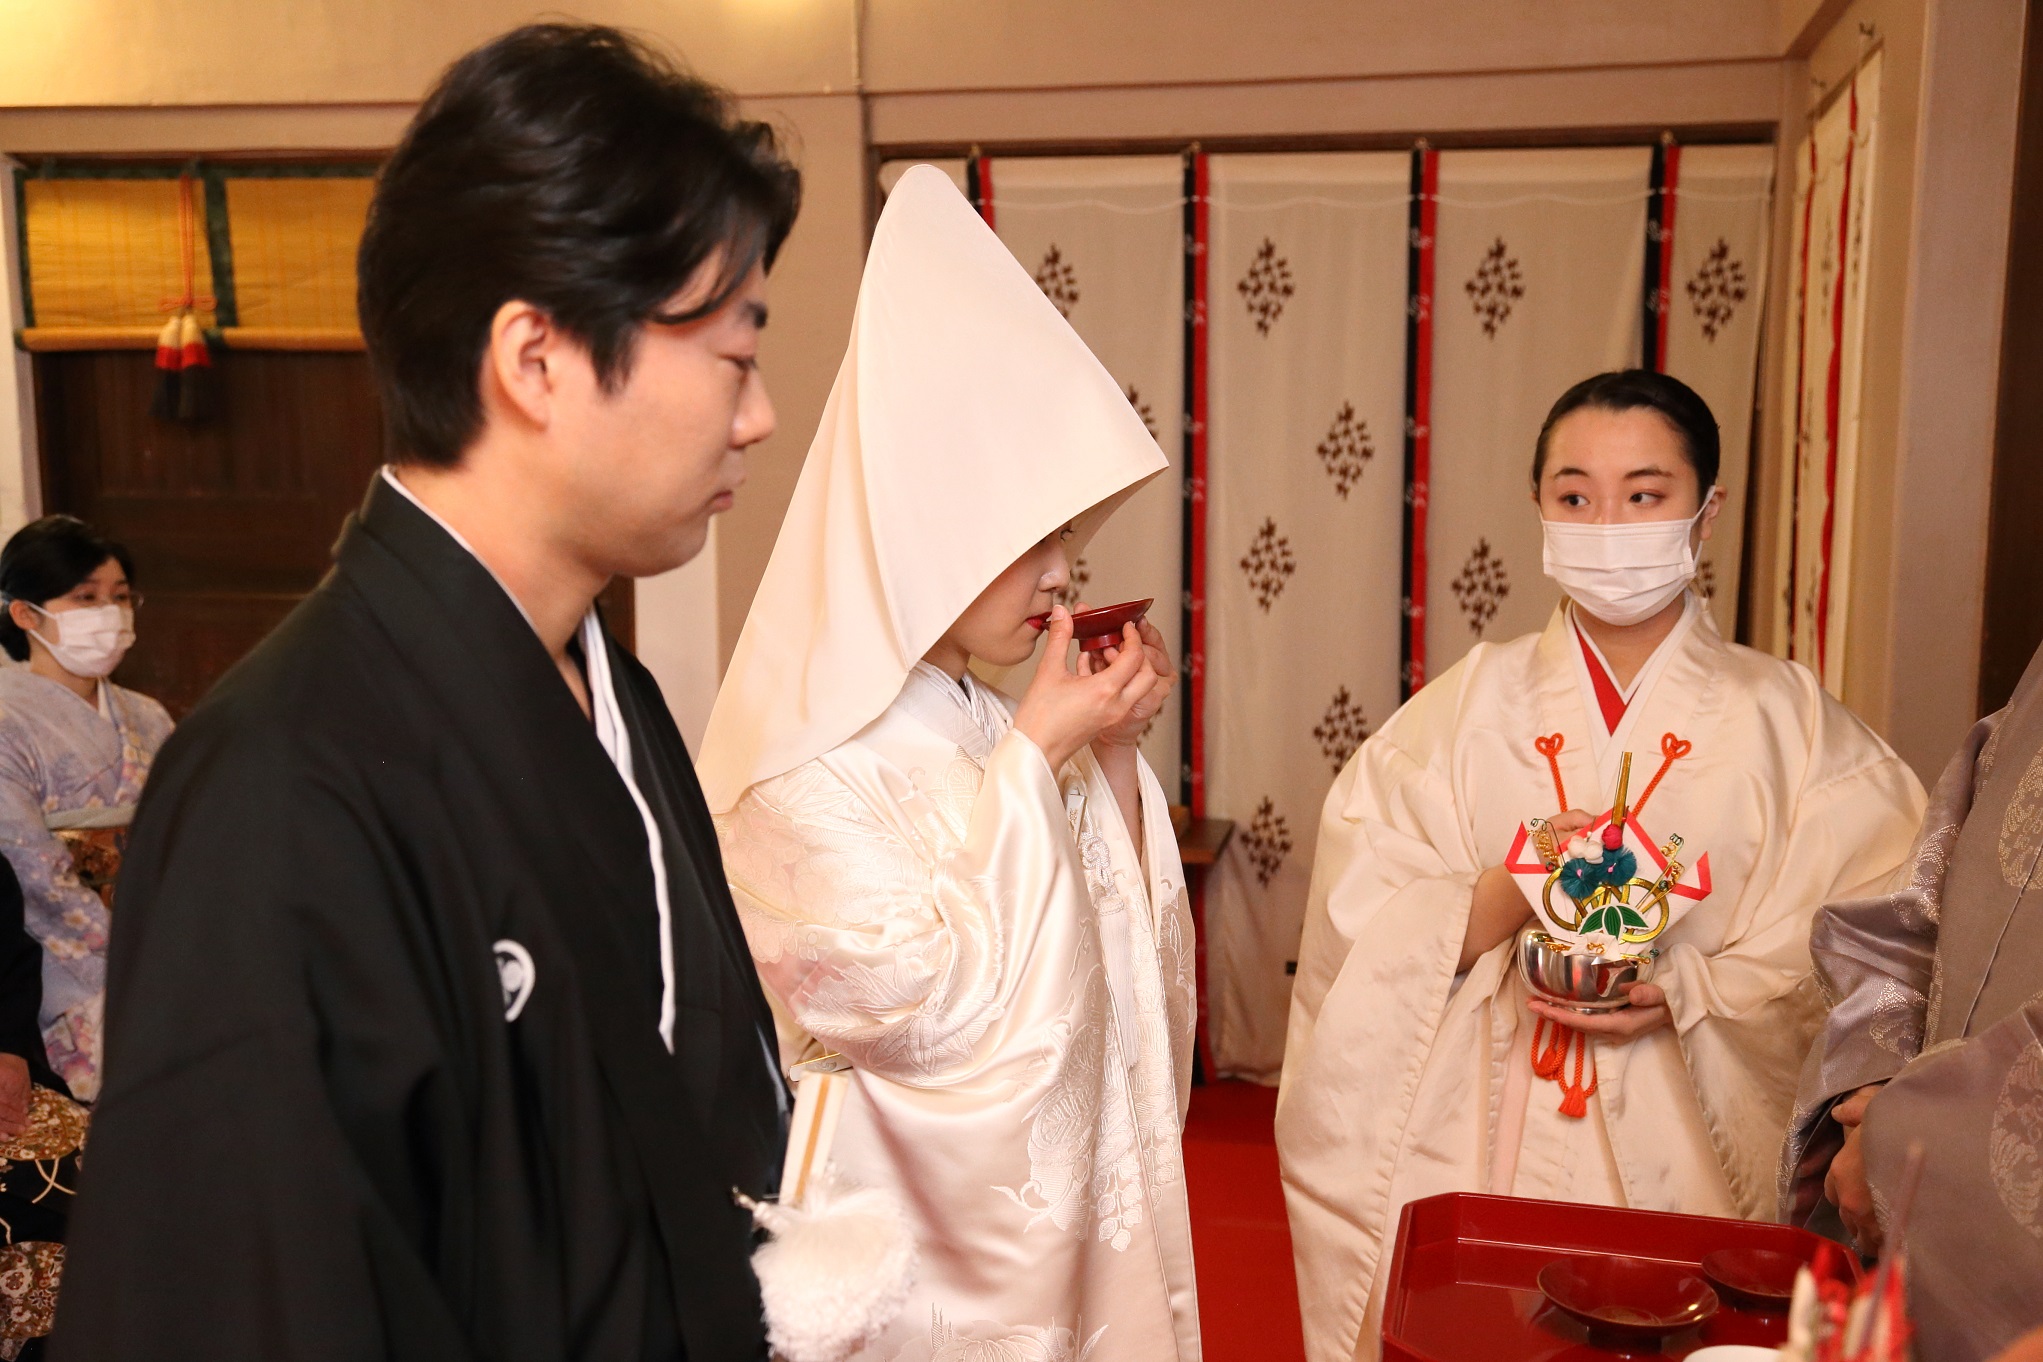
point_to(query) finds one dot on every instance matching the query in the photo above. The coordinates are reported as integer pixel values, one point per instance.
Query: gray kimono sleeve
(1875, 959)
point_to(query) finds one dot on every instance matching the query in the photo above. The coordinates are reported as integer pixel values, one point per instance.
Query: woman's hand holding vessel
(1065, 707)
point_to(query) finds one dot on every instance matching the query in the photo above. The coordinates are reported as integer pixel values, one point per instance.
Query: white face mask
(92, 640)
(1623, 573)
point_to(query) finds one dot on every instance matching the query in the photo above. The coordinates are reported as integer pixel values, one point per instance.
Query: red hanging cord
(1574, 1094)
(1550, 748)
(1547, 1058)
(187, 253)
(1672, 749)
(1550, 1052)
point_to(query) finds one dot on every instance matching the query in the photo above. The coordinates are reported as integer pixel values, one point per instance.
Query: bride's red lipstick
(1038, 622)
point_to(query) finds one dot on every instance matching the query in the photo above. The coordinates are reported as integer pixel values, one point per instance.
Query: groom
(432, 1031)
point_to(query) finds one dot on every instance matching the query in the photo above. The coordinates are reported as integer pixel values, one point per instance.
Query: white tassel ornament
(836, 1271)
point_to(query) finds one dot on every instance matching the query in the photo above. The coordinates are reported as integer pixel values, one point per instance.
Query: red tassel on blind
(184, 362)
(195, 390)
(169, 360)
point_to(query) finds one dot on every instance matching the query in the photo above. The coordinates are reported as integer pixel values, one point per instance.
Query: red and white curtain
(1825, 365)
(1103, 237)
(1306, 266)
(1353, 352)
(1539, 267)
(1719, 210)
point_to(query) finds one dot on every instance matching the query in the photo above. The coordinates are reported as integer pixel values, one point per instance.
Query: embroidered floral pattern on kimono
(1024, 1006)
(61, 759)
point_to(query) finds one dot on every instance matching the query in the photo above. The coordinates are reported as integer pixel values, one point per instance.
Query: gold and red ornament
(1601, 895)
(1837, 1315)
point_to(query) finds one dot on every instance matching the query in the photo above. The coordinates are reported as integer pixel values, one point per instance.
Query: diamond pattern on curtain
(1540, 254)
(1101, 236)
(1305, 517)
(1536, 261)
(1716, 307)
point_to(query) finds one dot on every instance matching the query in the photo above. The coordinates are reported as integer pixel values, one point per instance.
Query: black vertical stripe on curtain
(1651, 301)
(1418, 417)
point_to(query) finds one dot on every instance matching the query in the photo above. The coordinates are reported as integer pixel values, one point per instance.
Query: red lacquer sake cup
(1753, 1278)
(1628, 1300)
(1097, 630)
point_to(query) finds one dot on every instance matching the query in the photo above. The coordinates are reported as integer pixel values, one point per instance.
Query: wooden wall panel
(231, 521)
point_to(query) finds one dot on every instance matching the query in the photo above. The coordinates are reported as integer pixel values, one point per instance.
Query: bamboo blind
(102, 269)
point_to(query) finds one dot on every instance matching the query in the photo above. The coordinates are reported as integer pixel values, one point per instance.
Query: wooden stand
(1200, 842)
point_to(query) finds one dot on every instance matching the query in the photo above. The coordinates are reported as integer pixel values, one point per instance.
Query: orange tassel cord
(1550, 1053)
(1550, 748)
(1672, 749)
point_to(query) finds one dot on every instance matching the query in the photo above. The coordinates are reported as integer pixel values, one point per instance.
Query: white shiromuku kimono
(1403, 1081)
(980, 938)
(1007, 970)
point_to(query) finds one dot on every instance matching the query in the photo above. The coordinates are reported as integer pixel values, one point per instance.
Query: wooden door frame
(2012, 627)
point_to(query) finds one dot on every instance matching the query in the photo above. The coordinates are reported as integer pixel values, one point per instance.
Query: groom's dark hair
(571, 167)
(1629, 390)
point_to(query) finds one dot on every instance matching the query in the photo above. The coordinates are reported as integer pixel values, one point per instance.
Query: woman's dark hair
(1630, 390)
(45, 559)
(574, 168)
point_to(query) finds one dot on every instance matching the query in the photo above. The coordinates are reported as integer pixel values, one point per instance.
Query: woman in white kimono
(74, 751)
(1415, 1063)
(978, 903)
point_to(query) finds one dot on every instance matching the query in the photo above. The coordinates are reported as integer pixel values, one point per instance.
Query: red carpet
(1248, 1299)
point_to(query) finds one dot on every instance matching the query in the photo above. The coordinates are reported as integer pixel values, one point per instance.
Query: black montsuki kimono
(320, 1135)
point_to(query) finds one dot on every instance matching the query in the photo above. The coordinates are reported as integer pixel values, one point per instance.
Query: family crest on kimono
(1418, 1060)
(978, 902)
(433, 1030)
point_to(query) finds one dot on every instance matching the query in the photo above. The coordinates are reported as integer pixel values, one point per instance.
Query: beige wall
(181, 53)
(1043, 44)
(210, 75)
(1950, 84)
(813, 288)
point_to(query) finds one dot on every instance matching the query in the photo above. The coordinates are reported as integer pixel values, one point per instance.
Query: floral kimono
(979, 937)
(70, 774)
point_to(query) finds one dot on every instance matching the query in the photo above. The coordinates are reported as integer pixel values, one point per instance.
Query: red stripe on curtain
(1670, 190)
(1801, 397)
(1833, 387)
(979, 186)
(1195, 438)
(1419, 409)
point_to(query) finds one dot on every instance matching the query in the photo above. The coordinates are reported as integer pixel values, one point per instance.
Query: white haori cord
(841, 1258)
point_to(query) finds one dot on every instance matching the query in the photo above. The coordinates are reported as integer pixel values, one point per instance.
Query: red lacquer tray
(1463, 1277)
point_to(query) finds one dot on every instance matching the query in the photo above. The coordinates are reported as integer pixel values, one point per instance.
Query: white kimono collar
(961, 711)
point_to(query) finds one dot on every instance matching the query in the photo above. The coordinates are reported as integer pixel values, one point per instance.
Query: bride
(976, 901)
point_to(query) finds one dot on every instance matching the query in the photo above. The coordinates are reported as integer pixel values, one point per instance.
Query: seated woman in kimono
(41, 1134)
(1416, 1062)
(74, 751)
(978, 903)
